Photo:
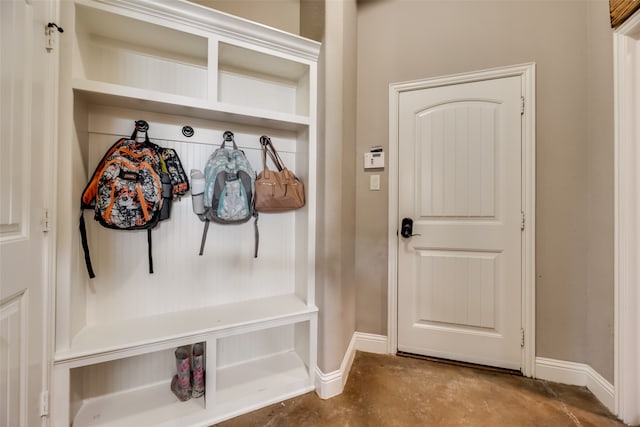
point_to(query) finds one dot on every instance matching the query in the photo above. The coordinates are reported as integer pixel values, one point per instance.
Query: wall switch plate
(374, 182)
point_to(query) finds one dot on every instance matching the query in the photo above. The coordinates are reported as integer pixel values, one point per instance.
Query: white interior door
(459, 276)
(25, 144)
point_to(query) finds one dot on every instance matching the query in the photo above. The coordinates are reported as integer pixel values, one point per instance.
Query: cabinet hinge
(522, 220)
(521, 337)
(521, 105)
(44, 223)
(44, 403)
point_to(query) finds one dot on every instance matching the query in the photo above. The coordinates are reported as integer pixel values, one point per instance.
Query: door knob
(406, 230)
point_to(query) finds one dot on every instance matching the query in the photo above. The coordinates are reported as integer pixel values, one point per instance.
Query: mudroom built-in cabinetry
(178, 65)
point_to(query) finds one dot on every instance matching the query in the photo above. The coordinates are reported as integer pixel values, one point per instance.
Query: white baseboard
(332, 384)
(328, 385)
(371, 343)
(577, 374)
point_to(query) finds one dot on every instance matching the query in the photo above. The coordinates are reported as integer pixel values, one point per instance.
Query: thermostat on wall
(374, 159)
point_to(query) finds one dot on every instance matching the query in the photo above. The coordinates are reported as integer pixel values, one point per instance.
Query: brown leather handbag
(276, 191)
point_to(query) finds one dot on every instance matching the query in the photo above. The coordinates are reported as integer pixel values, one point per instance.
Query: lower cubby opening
(255, 368)
(245, 368)
(134, 391)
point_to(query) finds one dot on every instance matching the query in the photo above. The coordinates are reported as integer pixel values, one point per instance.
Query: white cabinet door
(26, 85)
(459, 276)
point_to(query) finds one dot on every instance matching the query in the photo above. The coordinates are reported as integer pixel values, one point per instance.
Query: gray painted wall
(335, 249)
(399, 40)
(600, 186)
(571, 43)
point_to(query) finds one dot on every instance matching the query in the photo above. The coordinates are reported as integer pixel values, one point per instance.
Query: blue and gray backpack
(229, 189)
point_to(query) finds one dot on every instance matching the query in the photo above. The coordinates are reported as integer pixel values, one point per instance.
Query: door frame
(626, 57)
(527, 74)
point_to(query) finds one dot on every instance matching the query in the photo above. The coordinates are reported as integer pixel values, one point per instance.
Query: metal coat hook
(264, 140)
(142, 126)
(227, 135)
(187, 131)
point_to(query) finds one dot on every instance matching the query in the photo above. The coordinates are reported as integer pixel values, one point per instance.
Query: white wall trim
(328, 385)
(527, 73)
(626, 51)
(332, 384)
(560, 371)
(371, 343)
(576, 374)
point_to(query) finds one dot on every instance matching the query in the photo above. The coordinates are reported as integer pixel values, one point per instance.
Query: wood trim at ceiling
(620, 10)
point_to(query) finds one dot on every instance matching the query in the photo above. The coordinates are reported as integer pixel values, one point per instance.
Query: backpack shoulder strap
(87, 200)
(90, 191)
(85, 246)
(149, 251)
(256, 234)
(204, 236)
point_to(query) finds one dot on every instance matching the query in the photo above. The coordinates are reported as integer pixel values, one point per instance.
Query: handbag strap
(268, 148)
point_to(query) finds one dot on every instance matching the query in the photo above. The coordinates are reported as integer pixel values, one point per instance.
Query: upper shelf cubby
(115, 49)
(140, 54)
(256, 80)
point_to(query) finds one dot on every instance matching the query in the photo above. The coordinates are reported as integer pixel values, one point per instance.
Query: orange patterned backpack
(128, 190)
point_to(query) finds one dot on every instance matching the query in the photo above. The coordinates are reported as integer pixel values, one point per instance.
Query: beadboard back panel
(227, 272)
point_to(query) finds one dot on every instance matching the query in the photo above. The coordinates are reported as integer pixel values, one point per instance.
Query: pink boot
(197, 369)
(181, 382)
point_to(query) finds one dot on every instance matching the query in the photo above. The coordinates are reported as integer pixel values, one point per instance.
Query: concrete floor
(385, 390)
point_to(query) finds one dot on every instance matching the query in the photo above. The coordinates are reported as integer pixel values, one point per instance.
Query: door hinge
(49, 41)
(49, 31)
(45, 222)
(521, 105)
(521, 337)
(522, 220)
(44, 403)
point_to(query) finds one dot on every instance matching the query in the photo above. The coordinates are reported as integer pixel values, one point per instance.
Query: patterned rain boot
(197, 370)
(181, 382)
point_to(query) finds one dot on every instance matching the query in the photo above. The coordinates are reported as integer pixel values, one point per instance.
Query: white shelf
(144, 406)
(114, 95)
(250, 384)
(239, 388)
(126, 337)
